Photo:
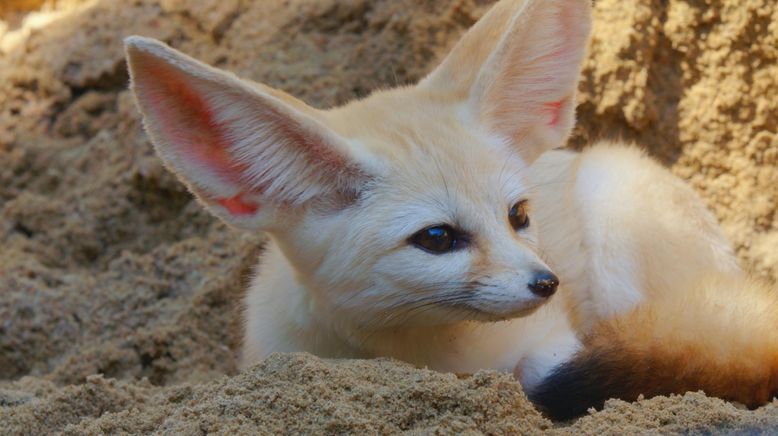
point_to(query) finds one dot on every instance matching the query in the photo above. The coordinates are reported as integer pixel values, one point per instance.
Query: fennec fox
(433, 223)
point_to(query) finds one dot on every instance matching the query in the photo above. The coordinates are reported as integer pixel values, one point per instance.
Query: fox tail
(721, 338)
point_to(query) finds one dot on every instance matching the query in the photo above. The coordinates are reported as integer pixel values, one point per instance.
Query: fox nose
(543, 284)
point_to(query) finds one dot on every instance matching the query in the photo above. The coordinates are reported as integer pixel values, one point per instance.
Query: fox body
(432, 223)
(604, 257)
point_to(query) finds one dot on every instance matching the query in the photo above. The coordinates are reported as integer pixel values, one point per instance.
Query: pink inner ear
(239, 149)
(190, 126)
(238, 206)
(188, 122)
(554, 109)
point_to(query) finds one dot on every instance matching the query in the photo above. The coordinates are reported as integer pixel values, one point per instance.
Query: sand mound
(108, 267)
(299, 393)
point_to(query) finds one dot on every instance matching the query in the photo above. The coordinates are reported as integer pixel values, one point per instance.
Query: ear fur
(518, 69)
(247, 151)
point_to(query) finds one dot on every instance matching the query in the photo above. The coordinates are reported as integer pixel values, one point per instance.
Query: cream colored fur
(341, 191)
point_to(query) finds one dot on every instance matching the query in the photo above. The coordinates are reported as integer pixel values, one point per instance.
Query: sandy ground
(108, 267)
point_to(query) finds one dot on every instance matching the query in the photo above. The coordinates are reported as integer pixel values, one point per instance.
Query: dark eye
(518, 215)
(437, 239)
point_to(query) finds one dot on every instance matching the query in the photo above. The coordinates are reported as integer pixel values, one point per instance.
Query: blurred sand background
(107, 266)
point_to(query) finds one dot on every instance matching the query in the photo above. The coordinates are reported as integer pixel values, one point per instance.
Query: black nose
(543, 284)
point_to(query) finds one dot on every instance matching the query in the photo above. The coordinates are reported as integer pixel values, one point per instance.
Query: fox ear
(518, 67)
(248, 152)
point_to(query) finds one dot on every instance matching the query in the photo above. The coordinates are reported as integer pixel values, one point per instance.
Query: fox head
(409, 207)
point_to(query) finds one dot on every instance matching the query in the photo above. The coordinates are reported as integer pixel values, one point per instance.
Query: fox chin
(441, 223)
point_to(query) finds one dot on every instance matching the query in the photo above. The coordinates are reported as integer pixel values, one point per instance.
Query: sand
(120, 297)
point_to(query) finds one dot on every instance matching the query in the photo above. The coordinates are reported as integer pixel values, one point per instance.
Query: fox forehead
(398, 122)
(438, 165)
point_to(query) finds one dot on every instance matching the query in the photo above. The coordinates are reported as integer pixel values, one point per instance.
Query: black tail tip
(572, 389)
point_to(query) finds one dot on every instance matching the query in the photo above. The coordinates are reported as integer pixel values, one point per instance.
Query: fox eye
(518, 215)
(437, 239)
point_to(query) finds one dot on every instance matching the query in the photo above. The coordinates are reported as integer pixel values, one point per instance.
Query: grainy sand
(107, 266)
